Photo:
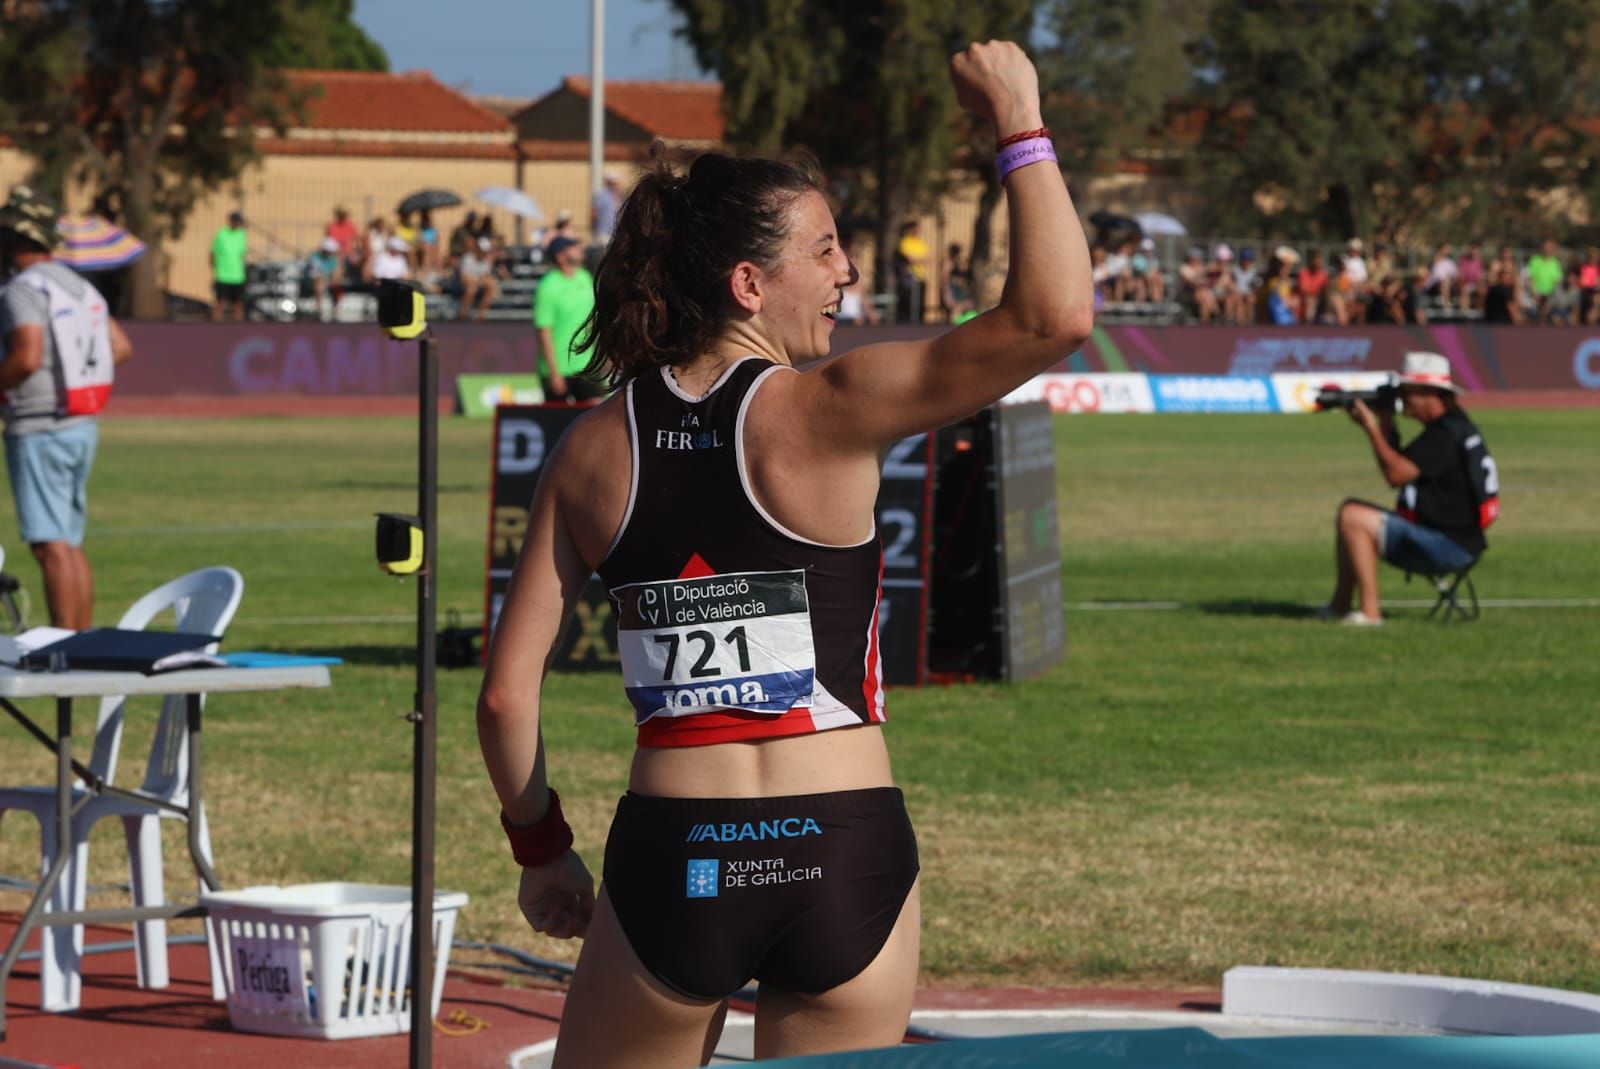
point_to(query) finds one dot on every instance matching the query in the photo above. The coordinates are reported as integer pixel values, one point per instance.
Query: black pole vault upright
(409, 546)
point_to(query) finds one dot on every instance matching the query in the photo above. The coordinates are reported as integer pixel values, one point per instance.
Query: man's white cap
(330, 245)
(398, 244)
(1427, 369)
(1223, 252)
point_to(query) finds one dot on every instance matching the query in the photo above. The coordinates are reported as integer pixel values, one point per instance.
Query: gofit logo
(754, 831)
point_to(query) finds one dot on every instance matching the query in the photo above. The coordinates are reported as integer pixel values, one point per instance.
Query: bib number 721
(704, 645)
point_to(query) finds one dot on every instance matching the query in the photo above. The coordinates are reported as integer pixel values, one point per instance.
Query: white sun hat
(1427, 369)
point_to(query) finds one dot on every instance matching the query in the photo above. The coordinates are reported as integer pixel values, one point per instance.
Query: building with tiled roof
(556, 126)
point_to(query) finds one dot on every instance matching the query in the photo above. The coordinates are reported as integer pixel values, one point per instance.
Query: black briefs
(800, 892)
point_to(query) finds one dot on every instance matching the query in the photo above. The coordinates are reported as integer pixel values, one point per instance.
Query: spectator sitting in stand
(1246, 277)
(1148, 282)
(1194, 286)
(1102, 274)
(475, 270)
(1383, 286)
(393, 261)
(1409, 303)
(1279, 305)
(344, 231)
(427, 250)
(1348, 295)
(1119, 271)
(1219, 272)
(1565, 300)
(1311, 287)
(1442, 274)
(1588, 284)
(1500, 302)
(463, 237)
(855, 308)
(377, 244)
(406, 230)
(1469, 278)
(955, 290)
(325, 268)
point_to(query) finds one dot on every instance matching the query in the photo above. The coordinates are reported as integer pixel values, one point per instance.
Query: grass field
(1231, 782)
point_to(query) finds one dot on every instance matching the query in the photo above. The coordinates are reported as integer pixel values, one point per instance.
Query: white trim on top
(678, 391)
(633, 475)
(749, 491)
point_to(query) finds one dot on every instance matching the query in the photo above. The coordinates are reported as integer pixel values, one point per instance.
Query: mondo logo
(1586, 364)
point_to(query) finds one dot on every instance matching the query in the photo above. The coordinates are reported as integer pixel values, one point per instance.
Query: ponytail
(661, 287)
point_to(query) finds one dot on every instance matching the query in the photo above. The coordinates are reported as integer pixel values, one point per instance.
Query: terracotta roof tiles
(412, 102)
(679, 111)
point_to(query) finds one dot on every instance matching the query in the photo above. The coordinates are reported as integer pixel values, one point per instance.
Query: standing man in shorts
(59, 344)
(227, 268)
(1449, 492)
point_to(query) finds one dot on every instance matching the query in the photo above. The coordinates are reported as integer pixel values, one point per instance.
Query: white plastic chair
(204, 603)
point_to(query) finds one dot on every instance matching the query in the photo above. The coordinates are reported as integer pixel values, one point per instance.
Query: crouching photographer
(1447, 481)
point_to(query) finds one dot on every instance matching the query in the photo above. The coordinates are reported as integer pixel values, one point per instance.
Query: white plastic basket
(323, 960)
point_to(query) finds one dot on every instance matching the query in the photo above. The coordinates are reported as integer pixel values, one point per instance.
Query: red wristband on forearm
(539, 844)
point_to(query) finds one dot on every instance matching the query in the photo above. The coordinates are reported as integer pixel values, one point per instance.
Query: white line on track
(1071, 606)
(234, 528)
(1415, 603)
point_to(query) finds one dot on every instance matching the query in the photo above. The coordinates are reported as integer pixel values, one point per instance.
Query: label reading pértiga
(737, 641)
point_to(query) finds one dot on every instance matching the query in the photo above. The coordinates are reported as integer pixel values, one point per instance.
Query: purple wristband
(1033, 150)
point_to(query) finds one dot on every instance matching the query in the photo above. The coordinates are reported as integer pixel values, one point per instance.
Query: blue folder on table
(114, 649)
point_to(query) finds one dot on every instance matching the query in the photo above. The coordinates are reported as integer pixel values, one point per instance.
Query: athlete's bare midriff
(843, 759)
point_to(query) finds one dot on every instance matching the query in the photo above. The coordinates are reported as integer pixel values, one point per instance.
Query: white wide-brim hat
(1427, 369)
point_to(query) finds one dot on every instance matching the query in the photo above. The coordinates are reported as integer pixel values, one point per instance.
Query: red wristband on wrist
(539, 844)
(1021, 135)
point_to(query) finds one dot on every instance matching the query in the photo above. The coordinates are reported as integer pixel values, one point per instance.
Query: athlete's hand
(995, 80)
(558, 898)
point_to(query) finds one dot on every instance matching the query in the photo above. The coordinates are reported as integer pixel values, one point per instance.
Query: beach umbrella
(1157, 224)
(512, 200)
(429, 199)
(90, 243)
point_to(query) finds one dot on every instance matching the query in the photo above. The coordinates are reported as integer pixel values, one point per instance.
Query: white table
(63, 687)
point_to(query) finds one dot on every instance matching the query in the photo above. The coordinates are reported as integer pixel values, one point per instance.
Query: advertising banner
(1213, 393)
(1087, 393)
(477, 396)
(352, 359)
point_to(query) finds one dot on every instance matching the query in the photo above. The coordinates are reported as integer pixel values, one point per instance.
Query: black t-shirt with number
(1443, 496)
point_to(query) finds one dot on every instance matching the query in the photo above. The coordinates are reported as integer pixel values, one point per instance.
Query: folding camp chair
(1449, 587)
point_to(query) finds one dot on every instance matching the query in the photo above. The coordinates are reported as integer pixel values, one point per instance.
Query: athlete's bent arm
(881, 393)
(550, 574)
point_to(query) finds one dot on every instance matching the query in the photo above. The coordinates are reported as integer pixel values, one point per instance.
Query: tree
(1400, 119)
(323, 35)
(863, 83)
(155, 103)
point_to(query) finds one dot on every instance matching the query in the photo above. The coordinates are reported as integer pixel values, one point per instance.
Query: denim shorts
(50, 481)
(1420, 549)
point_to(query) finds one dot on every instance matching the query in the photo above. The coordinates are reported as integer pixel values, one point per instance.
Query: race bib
(740, 641)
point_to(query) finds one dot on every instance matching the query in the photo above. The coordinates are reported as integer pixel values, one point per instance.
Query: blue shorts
(50, 481)
(1419, 549)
